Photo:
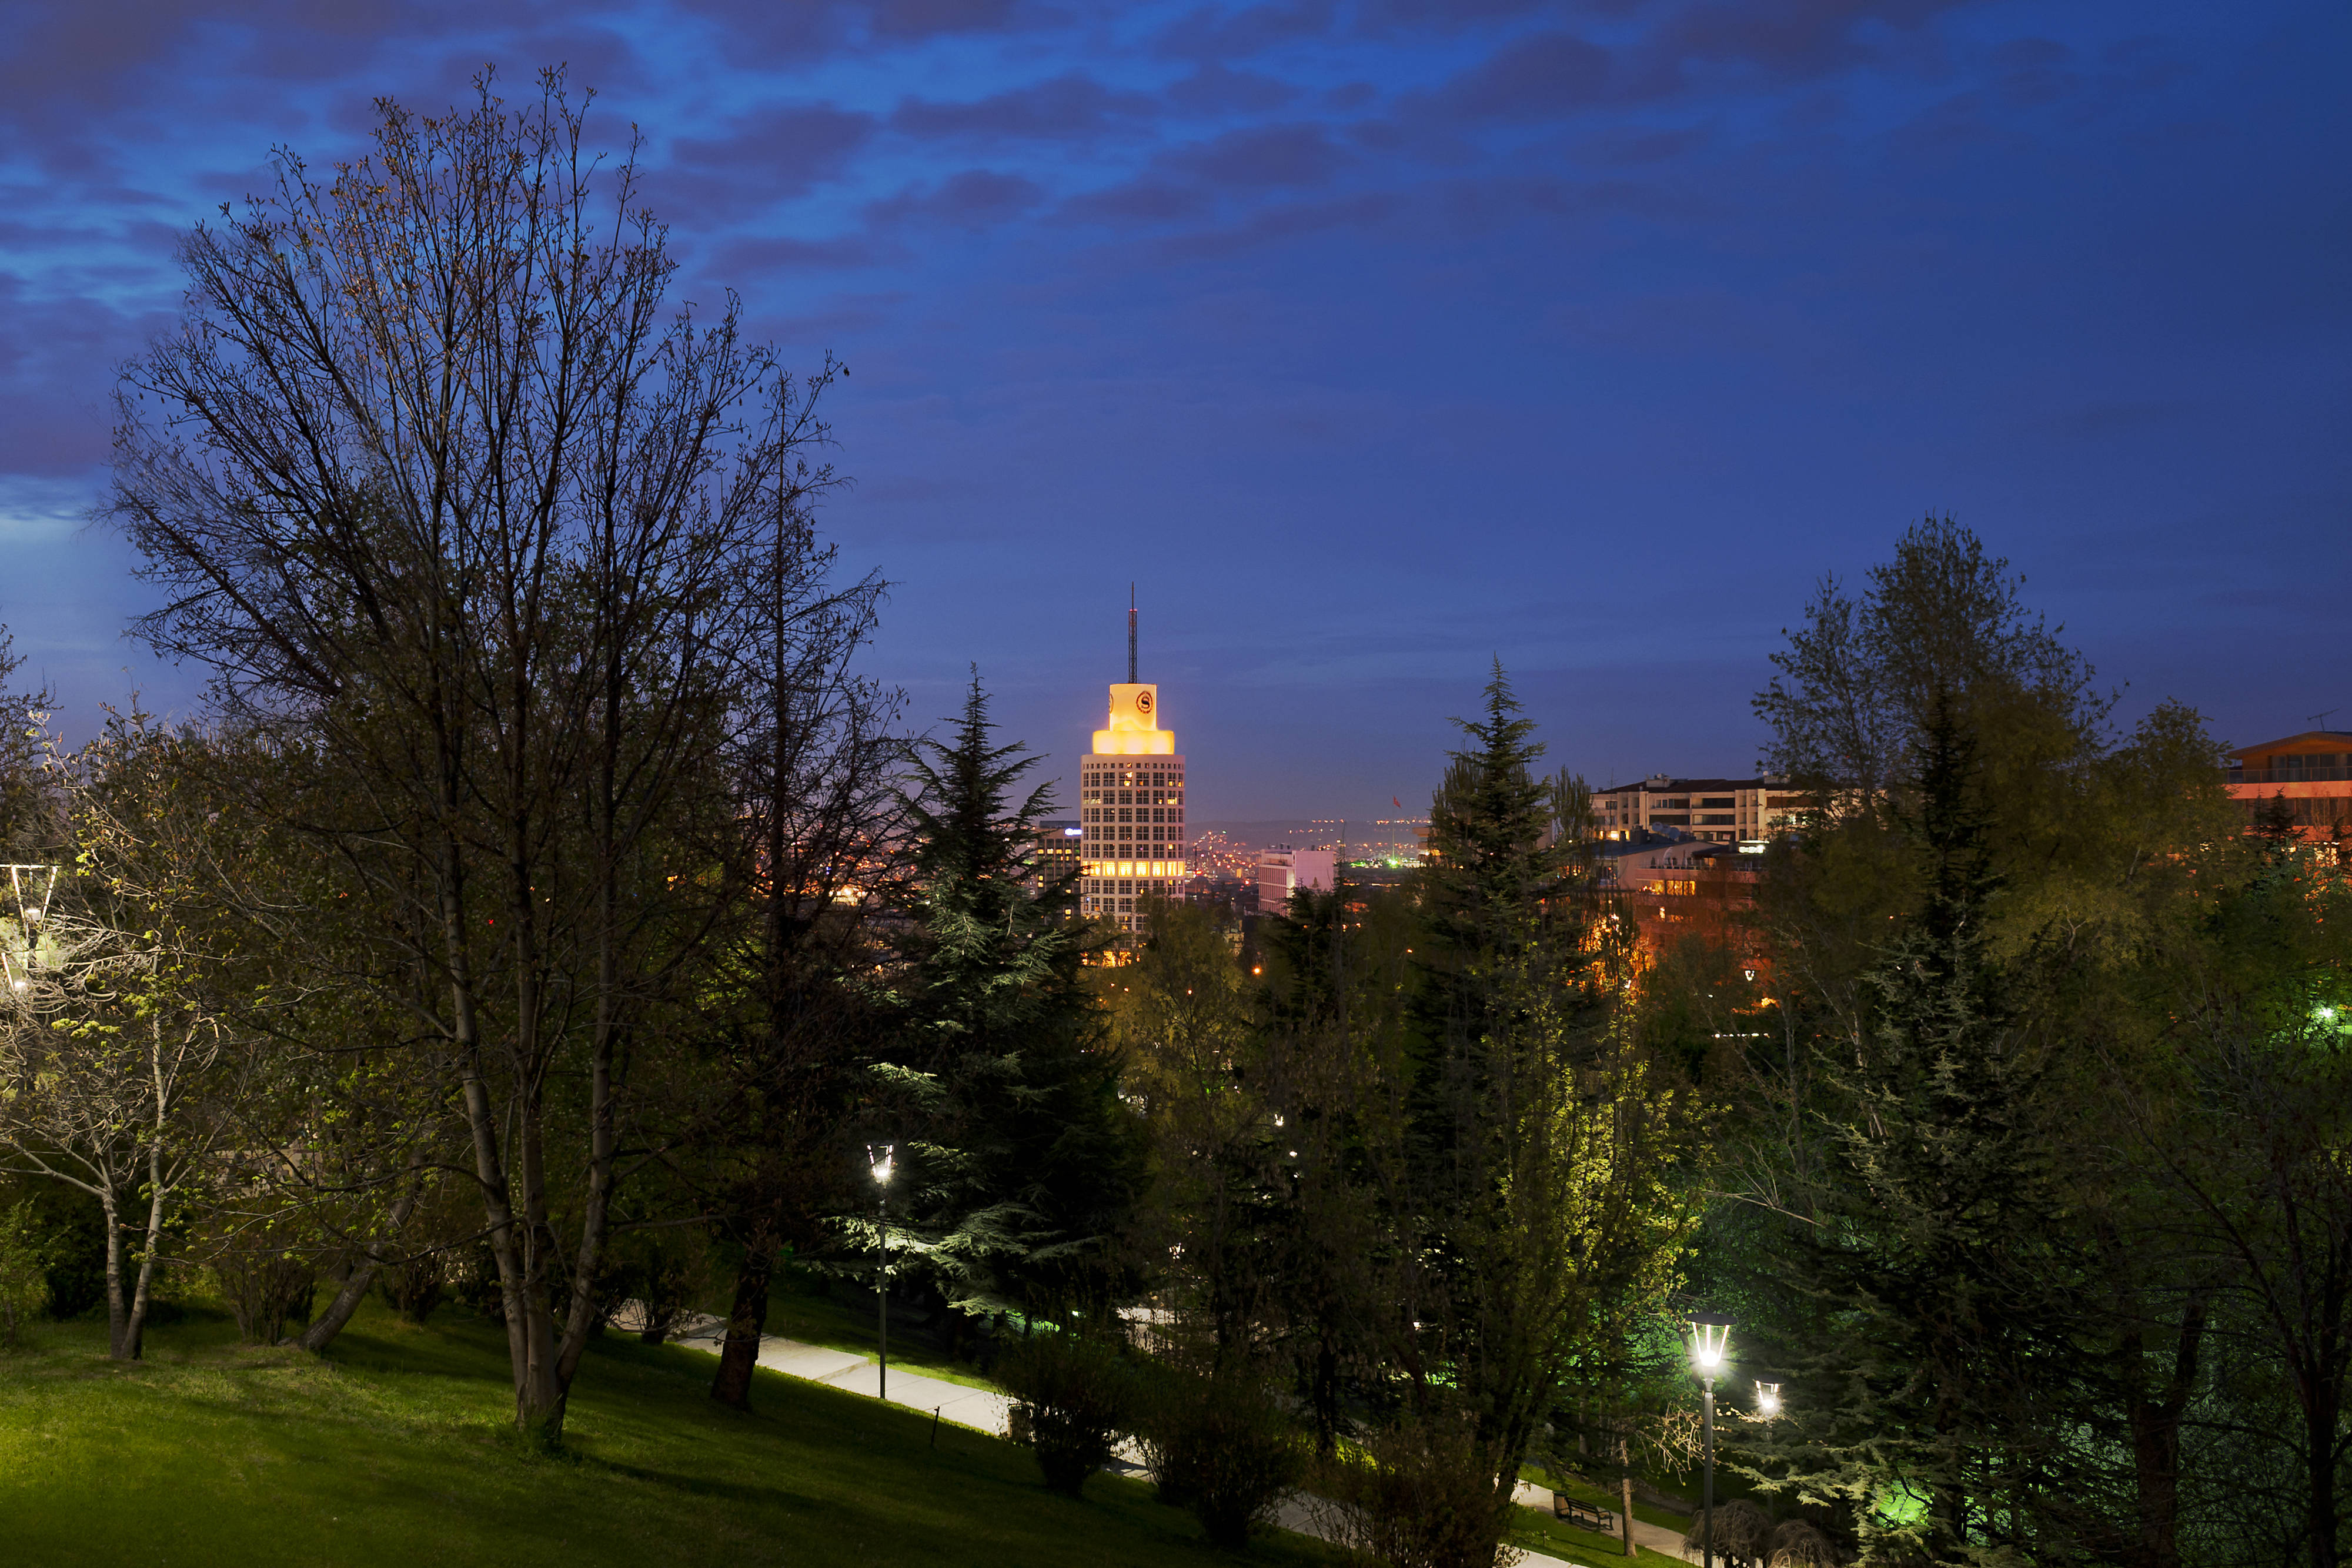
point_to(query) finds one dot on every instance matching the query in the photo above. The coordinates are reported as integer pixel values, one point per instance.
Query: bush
(1743, 1533)
(265, 1258)
(1797, 1544)
(415, 1288)
(1219, 1445)
(1422, 1494)
(26, 1253)
(1077, 1394)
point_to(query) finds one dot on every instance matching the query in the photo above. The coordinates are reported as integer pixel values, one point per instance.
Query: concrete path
(1656, 1537)
(986, 1410)
(982, 1408)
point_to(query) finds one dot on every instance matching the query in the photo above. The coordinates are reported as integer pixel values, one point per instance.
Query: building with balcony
(2309, 776)
(1714, 810)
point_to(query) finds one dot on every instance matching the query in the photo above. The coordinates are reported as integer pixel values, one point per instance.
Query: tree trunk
(2156, 1443)
(741, 1352)
(1625, 1496)
(2321, 1413)
(118, 1316)
(134, 1327)
(328, 1324)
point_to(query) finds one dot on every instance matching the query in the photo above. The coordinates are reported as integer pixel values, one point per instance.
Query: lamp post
(877, 1157)
(1768, 1400)
(1710, 1338)
(32, 887)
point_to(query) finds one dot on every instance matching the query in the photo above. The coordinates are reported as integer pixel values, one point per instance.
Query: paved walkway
(983, 1409)
(986, 1410)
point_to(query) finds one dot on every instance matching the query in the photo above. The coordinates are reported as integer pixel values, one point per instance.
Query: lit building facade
(2305, 778)
(1132, 798)
(1716, 811)
(1283, 871)
(1055, 854)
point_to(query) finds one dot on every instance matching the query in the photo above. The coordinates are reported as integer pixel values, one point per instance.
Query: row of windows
(1135, 814)
(1133, 797)
(1130, 778)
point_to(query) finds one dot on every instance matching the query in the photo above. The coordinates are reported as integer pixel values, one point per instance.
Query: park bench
(1584, 1515)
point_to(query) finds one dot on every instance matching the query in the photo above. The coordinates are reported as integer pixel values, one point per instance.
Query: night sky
(1371, 340)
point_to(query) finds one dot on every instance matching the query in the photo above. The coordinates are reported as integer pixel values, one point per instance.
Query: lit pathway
(984, 1409)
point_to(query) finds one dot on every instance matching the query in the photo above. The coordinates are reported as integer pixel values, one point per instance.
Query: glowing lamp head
(878, 1157)
(1767, 1398)
(1710, 1341)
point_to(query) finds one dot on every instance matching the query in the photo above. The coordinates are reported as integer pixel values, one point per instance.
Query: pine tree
(1026, 1161)
(1943, 1307)
(1535, 1133)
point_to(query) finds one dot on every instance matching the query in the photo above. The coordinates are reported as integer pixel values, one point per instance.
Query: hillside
(392, 1450)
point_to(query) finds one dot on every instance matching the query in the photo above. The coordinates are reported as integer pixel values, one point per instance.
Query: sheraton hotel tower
(1131, 789)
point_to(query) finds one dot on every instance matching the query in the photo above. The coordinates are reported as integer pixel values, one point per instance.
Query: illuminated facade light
(1132, 789)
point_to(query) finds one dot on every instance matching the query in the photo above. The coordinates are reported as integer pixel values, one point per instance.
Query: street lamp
(32, 886)
(1768, 1399)
(1710, 1339)
(877, 1157)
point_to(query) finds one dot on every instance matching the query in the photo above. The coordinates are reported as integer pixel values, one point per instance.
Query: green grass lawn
(799, 1309)
(1538, 1531)
(393, 1451)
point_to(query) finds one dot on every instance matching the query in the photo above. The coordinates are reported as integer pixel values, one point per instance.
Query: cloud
(1067, 106)
(784, 253)
(1788, 40)
(775, 154)
(1151, 199)
(1215, 89)
(1387, 14)
(1263, 156)
(1284, 223)
(975, 198)
(1544, 76)
(930, 18)
(1214, 33)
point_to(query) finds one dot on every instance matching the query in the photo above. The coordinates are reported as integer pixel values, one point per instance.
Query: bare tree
(453, 502)
(117, 1075)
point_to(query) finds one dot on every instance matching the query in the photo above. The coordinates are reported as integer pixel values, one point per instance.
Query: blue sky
(1371, 340)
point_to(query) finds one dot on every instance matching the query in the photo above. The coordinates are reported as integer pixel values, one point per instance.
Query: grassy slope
(393, 1451)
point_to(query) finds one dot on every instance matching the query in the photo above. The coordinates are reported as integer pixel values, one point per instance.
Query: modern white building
(1718, 810)
(1283, 871)
(1132, 798)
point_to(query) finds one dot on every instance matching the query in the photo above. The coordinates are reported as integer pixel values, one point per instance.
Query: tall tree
(817, 773)
(445, 492)
(1026, 1161)
(1538, 1138)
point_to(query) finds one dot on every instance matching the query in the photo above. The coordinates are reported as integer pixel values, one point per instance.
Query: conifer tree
(1026, 1161)
(1535, 1138)
(1942, 1305)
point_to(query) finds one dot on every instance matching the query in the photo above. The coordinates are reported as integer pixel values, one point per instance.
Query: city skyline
(1374, 339)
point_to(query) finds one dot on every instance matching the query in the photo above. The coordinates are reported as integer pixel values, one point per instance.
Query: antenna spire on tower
(1130, 633)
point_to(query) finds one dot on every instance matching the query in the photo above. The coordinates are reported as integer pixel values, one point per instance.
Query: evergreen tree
(1535, 1216)
(1942, 1303)
(1025, 1163)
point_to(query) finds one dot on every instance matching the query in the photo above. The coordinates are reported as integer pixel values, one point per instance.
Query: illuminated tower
(1132, 795)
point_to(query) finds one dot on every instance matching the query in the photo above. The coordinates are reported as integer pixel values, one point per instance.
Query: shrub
(1219, 1445)
(1421, 1494)
(1798, 1544)
(1078, 1393)
(415, 1288)
(1743, 1533)
(25, 1253)
(266, 1265)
